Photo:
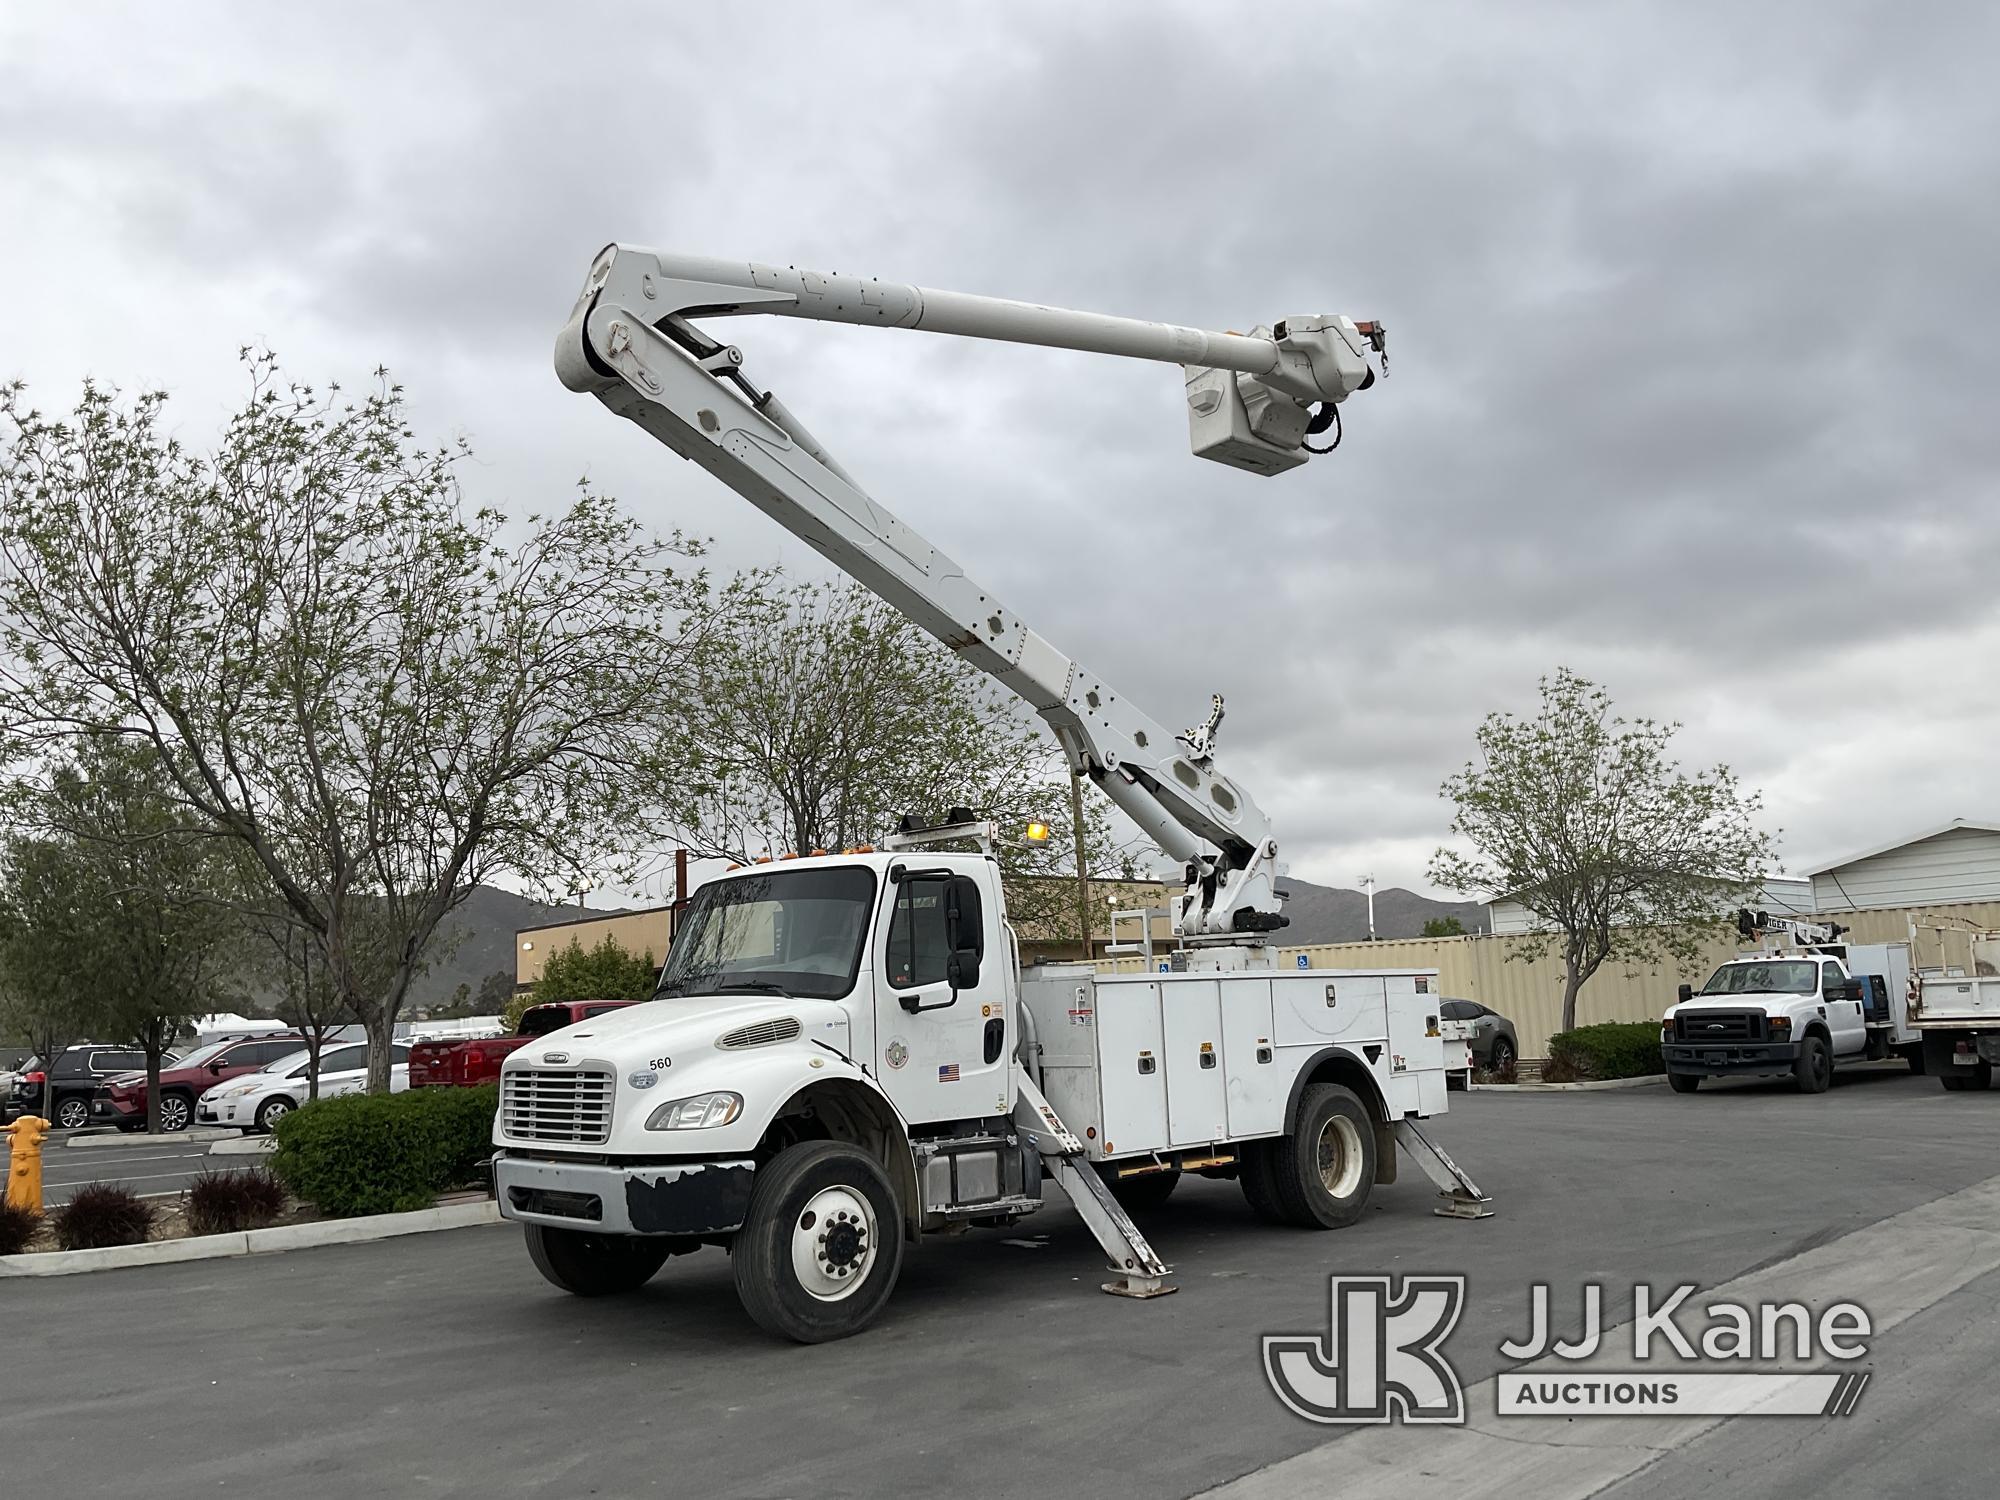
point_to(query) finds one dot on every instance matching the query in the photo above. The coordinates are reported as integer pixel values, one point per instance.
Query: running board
(1462, 1198)
(1140, 1271)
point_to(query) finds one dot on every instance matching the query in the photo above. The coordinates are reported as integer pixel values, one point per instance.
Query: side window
(1830, 976)
(270, 1052)
(343, 1059)
(917, 948)
(117, 1062)
(1453, 1010)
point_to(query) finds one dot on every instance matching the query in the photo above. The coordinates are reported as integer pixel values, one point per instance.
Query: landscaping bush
(103, 1214)
(383, 1154)
(226, 1202)
(1610, 1049)
(17, 1227)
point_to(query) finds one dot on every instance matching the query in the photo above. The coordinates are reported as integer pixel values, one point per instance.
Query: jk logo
(1379, 1360)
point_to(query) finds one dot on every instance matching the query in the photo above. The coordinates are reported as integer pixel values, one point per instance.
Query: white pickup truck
(1956, 1004)
(1800, 1011)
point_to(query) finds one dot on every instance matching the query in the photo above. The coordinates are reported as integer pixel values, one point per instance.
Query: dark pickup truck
(457, 1064)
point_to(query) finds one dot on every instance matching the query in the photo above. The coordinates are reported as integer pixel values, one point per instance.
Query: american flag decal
(948, 1073)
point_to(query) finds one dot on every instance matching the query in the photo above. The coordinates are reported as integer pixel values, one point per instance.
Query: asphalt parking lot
(444, 1365)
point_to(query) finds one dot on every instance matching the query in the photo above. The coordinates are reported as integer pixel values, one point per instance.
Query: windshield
(204, 1053)
(791, 932)
(1777, 978)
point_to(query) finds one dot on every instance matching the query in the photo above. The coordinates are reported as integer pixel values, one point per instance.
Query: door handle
(913, 1002)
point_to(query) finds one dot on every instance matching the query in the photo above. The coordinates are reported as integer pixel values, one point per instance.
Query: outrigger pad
(1458, 1206)
(1140, 1287)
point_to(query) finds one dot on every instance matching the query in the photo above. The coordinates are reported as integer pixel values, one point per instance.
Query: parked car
(451, 1063)
(61, 1092)
(1491, 1037)
(121, 1100)
(257, 1101)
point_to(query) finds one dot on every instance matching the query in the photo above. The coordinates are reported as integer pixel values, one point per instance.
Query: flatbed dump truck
(846, 1054)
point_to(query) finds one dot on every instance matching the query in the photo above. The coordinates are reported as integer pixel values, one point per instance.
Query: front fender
(768, 1078)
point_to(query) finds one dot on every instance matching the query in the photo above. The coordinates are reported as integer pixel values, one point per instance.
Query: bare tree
(1581, 817)
(386, 696)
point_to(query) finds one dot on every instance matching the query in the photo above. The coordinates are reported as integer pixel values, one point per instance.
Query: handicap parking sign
(1304, 963)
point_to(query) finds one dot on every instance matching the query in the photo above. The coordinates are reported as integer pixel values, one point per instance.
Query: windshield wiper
(758, 986)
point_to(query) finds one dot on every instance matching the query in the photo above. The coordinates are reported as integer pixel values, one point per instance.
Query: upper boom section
(630, 343)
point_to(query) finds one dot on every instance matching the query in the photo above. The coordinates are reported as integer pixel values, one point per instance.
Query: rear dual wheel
(1320, 1175)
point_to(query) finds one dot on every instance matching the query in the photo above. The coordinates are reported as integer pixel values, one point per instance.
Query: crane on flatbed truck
(856, 1056)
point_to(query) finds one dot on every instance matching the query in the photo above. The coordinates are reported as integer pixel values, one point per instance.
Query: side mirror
(1686, 992)
(218, 1068)
(962, 969)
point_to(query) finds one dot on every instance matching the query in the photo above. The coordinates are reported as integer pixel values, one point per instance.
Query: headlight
(700, 1112)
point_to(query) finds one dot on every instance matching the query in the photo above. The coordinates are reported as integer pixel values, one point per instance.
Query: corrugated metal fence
(1529, 992)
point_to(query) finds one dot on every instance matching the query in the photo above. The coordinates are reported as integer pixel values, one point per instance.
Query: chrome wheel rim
(72, 1114)
(174, 1113)
(834, 1243)
(1338, 1156)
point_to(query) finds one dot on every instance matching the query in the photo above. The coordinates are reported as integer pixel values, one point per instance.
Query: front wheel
(1323, 1171)
(271, 1111)
(1683, 1083)
(822, 1245)
(176, 1113)
(595, 1265)
(1814, 1069)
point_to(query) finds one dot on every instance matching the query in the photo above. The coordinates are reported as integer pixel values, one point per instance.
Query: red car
(121, 1100)
(460, 1064)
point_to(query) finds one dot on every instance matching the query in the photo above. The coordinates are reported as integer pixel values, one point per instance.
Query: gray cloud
(1688, 311)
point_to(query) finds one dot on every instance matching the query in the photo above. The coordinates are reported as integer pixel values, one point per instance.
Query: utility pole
(1368, 885)
(1082, 871)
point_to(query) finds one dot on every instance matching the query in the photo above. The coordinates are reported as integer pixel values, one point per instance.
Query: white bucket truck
(845, 1054)
(1802, 1004)
(1955, 1002)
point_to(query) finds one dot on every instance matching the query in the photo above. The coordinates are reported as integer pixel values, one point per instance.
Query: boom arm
(1251, 404)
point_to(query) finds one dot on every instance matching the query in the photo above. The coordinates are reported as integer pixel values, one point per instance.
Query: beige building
(648, 931)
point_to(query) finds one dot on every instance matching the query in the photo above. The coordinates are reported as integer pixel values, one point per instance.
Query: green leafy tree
(608, 971)
(1614, 850)
(118, 907)
(1440, 927)
(385, 696)
(823, 716)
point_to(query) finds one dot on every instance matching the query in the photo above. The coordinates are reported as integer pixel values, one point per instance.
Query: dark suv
(121, 1101)
(61, 1092)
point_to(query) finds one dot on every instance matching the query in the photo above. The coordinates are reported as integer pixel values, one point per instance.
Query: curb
(1650, 1080)
(245, 1145)
(253, 1242)
(139, 1137)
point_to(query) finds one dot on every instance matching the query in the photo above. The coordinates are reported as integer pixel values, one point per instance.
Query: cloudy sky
(1690, 316)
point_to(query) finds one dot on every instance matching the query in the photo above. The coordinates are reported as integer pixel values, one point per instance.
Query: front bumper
(1726, 1059)
(212, 1112)
(109, 1111)
(668, 1198)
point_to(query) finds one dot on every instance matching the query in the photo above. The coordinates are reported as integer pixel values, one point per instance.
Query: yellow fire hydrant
(24, 1171)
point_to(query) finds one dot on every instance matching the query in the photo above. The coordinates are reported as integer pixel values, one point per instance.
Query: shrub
(226, 1202)
(1610, 1049)
(105, 1213)
(383, 1154)
(17, 1227)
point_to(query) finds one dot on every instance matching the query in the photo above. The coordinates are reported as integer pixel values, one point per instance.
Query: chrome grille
(543, 1104)
(762, 1034)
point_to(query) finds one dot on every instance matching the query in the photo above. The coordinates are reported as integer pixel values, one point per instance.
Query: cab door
(1844, 1018)
(943, 1033)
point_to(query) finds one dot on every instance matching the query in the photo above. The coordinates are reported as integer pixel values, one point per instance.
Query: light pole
(1368, 885)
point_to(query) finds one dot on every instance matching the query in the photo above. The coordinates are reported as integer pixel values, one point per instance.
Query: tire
(790, 1279)
(1260, 1188)
(1502, 1055)
(1683, 1083)
(595, 1265)
(176, 1113)
(1962, 1079)
(1814, 1069)
(273, 1110)
(1323, 1171)
(1138, 1194)
(1915, 1058)
(72, 1113)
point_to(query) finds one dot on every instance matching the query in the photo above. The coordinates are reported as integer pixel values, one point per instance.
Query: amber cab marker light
(1038, 833)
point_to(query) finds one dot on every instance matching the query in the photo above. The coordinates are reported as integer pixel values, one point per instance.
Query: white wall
(1962, 864)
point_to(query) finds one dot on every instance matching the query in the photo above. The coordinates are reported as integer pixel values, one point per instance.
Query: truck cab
(1793, 1011)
